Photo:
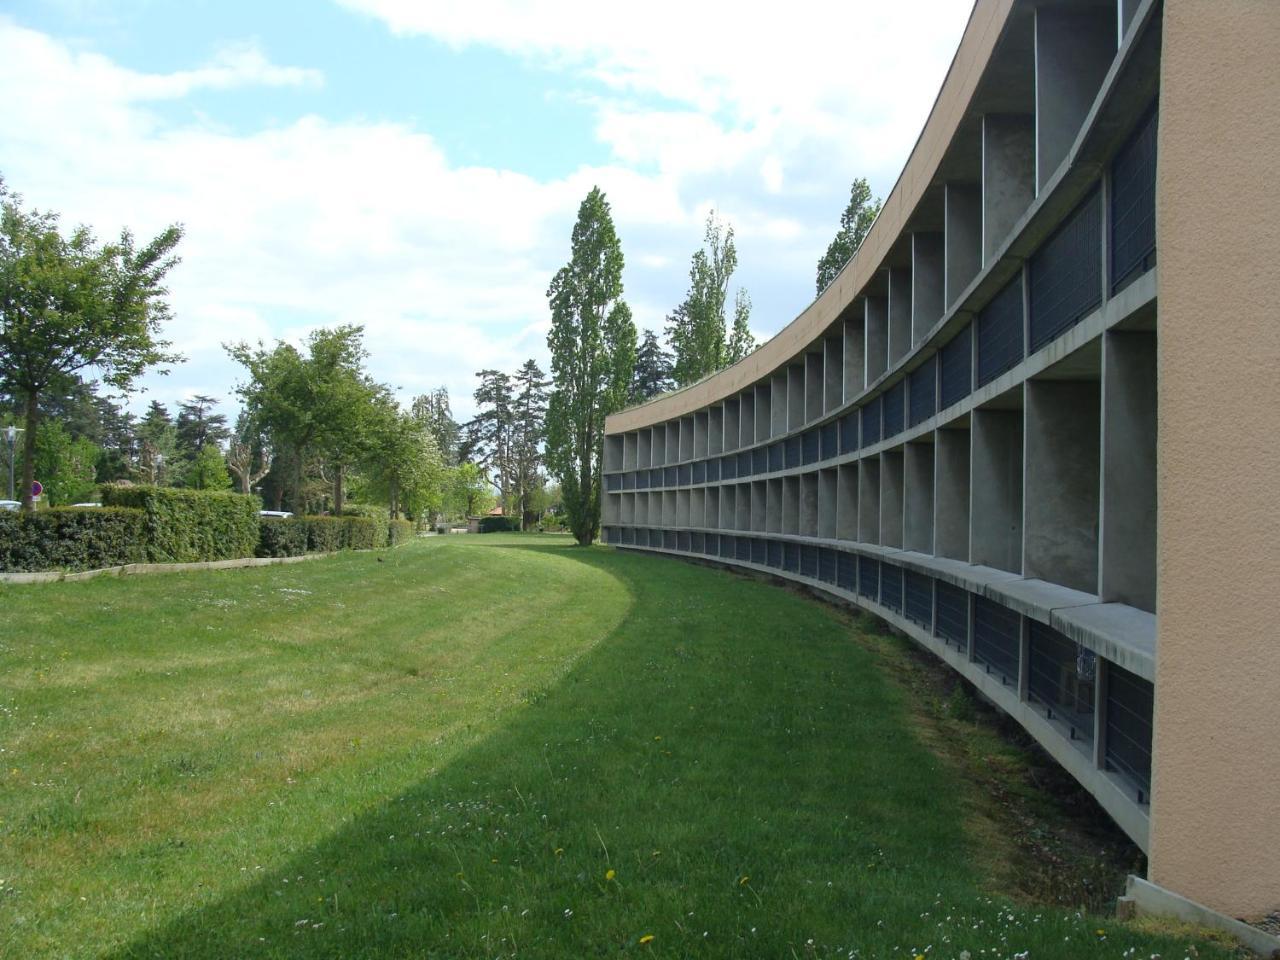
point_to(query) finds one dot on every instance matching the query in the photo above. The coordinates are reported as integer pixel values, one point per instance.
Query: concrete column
(644, 448)
(877, 323)
(833, 373)
(1214, 828)
(612, 508)
(995, 490)
(899, 313)
(855, 354)
(629, 451)
(778, 404)
(682, 508)
(847, 502)
(628, 504)
(763, 417)
(827, 504)
(669, 508)
(791, 505)
(1074, 49)
(613, 453)
(1008, 176)
(673, 441)
(1062, 435)
(869, 500)
(713, 508)
(891, 493)
(729, 507)
(687, 433)
(742, 503)
(918, 469)
(963, 218)
(731, 427)
(795, 396)
(773, 509)
(697, 507)
(747, 417)
(951, 502)
(700, 434)
(809, 504)
(928, 276)
(1125, 9)
(1128, 534)
(759, 506)
(813, 383)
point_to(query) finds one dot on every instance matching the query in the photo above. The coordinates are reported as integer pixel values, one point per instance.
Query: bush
(499, 524)
(372, 511)
(282, 537)
(72, 538)
(324, 534)
(185, 526)
(398, 531)
(363, 533)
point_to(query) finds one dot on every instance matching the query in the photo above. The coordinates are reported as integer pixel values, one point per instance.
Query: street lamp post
(11, 434)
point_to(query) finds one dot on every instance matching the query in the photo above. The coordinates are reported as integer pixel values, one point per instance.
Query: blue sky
(416, 166)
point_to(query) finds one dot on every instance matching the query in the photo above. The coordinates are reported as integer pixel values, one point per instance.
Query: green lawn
(479, 747)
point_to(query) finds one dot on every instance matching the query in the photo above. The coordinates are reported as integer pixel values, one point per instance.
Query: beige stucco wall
(983, 30)
(1215, 820)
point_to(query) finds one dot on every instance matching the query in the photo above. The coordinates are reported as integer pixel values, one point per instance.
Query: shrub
(324, 534)
(363, 533)
(282, 537)
(398, 531)
(72, 538)
(372, 511)
(499, 524)
(185, 526)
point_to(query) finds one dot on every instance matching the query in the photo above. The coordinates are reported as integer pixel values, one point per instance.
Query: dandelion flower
(610, 874)
(647, 938)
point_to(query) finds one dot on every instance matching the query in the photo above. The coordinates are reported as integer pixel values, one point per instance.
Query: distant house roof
(496, 512)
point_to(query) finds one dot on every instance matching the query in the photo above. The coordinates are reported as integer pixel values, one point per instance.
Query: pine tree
(491, 430)
(593, 355)
(854, 224)
(653, 370)
(529, 412)
(198, 425)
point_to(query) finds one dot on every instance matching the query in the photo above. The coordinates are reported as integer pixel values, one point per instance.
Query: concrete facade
(1018, 440)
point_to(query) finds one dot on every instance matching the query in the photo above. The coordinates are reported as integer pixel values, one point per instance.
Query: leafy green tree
(854, 224)
(696, 328)
(491, 432)
(433, 409)
(593, 354)
(198, 425)
(404, 462)
(528, 430)
(249, 454)
(64, 465)
(69, 304)
(468, 493)
(207, 470)
(653, 370)
(158, 445)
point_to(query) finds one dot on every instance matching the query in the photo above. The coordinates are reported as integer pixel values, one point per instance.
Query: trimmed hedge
(324, 534)
(499, 524)
(364, 533)
(282, 537)
(369, 510)
(186, 526)
(399, 531)
(71, 538)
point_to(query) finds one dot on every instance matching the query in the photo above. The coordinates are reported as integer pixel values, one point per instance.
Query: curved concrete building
(1032, 424)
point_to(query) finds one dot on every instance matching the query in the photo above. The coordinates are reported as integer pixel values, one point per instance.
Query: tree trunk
(29, 452)
(299, 504)
(337, 490)
(395, 499)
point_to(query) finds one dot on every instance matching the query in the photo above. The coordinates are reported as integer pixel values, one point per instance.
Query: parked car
(13, 505)
(274, 513)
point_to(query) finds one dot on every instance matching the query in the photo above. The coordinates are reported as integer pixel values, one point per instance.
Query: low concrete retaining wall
(130, 569)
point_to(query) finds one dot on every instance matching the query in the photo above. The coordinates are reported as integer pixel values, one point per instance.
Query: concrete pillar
(899, 313)
(1128, 534)
(918, 470)
(1214, 828)
(963, 219)
(628, 514)
(1074, 49)
(669, 508)
(928, 275)
(763, 417)
(673, 442)
(813, 383)
(951, 494)
(612, 453)
(995, 490)
(731, 427)
(855, 354)
(1008, 176)
(629, 444)
(795, 396)
(869, 500)
(809, 504)
(759, 506)
(747, 417)
(713, 508)
(1125, 9)
(827, 504)
(715, 430)
(778, 404)
(742, 504)
(847, 502)
(833, 368)
(688, 428)
(697, 507)
(700, 434)
(877, 324)
(773, 508)
(644, 448)
(791, 505)
(682, 508)
(891, 493)
(1063, 444)
(729, 507)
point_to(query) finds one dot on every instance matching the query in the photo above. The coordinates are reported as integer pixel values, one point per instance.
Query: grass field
(481, 747)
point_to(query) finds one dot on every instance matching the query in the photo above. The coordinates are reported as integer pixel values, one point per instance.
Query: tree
(403, 461)
(158, 444)
(467, 491)
(491, 430)
(653, 370)
(207, 470)
(696, 328)
(64, 465)
(69, 304)
(248, 454)
(198, 425)
(854, 224)
(593, 353)
(528, 429)
(741, 339)
(433, 410)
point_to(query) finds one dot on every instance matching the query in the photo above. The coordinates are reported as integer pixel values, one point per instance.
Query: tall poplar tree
(856, 220)
(593, 353)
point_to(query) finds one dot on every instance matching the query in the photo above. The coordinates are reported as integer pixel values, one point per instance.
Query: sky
(416, 166)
